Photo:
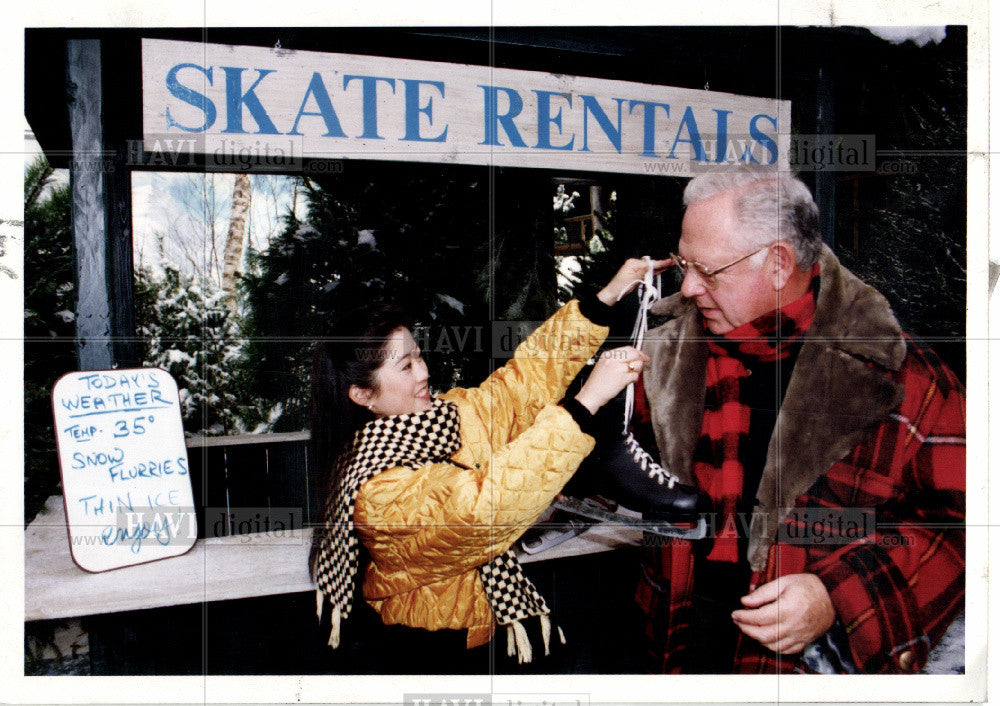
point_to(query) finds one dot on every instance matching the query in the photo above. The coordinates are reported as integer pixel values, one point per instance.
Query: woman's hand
(615, 369)
(629, 276)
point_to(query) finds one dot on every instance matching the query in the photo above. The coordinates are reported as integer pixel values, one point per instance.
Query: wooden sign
(124, 467)
(253, 108)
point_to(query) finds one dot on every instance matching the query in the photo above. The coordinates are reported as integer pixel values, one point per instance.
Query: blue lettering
(369, 103)
(98, 507)
(191, 97)
(101, 505)
(159, 530)
(317, 89)
(649, 124)
(493, 120)
(766, 141)
(614, 134)
(694, 138)
(120, 399)
(150, 468)
(127, 502)
(413, 110)
(721, 133)
(236, 98)
(546, 120)
(81, 434)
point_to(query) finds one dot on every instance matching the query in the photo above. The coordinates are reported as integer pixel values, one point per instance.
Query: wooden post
(101, 218)
(826, 182)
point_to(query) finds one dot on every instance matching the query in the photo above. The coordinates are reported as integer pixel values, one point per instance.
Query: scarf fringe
(518, 643)
(334, 641)
(335, 619)
(522, 644)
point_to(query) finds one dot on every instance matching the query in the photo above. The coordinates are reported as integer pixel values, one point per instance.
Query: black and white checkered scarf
(414, 440)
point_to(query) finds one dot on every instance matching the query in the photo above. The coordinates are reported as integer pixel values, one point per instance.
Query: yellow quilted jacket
(427, 530)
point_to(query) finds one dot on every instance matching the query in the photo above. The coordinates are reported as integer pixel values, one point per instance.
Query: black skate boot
(621, 470)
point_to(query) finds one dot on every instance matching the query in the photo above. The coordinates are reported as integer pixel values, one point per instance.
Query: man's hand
(786, 614)
(628, 276)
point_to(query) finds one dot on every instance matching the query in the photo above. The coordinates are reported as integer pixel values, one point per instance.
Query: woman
(438, 489)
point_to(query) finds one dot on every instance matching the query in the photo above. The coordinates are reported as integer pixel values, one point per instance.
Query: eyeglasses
(707, 276)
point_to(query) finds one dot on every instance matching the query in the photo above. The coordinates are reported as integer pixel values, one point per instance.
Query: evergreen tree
(408, 234)
(581, 273)
(49, 324)
(187, 329)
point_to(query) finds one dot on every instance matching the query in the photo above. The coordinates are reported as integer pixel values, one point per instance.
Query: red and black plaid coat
(872, 424)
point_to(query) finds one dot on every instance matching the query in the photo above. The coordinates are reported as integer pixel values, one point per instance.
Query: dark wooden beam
(101, 218)
(119, 127)
(93, 305)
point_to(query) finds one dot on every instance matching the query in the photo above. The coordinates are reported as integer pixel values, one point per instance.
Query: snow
(272, 418)
(191, 333)
(176, 357)
(595, 245)
(948, 656)
(452, 302)
(305, 232)
(919, 35)
(568, 268)
(367, 237)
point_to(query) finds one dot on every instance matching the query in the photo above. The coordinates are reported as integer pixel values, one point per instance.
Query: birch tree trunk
(233, 253)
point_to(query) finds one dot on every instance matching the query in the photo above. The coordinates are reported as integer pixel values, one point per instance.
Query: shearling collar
(838, 392)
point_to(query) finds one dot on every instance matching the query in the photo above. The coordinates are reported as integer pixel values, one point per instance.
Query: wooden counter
(215, 569)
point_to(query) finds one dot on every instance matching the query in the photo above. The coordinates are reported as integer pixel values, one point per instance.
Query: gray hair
(772, 205)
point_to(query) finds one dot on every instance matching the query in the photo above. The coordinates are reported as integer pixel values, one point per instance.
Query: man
(831, 446)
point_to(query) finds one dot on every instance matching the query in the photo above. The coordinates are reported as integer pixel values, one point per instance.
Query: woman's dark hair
(348, 357)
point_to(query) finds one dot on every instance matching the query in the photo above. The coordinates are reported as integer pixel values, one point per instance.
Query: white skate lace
(654, 470)
(649, 292)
